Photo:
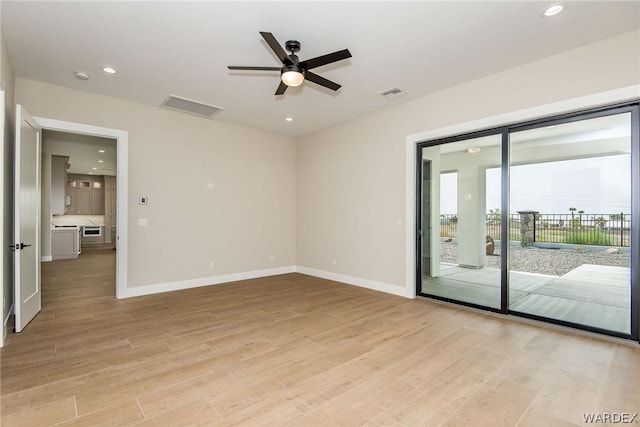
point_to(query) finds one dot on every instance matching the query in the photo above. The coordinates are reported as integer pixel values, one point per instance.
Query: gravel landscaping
(554, 262)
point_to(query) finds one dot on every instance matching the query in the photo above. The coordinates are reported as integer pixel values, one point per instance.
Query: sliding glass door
(570, 198)
(464, 242)
(538, 219)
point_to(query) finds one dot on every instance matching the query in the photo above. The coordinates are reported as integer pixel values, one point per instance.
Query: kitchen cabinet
(86, 195)
(97, 202)
(83, 201)
(59, 166)
(110, 210)
(65, 243)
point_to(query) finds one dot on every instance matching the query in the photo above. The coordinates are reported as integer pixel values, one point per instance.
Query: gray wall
(351, 178)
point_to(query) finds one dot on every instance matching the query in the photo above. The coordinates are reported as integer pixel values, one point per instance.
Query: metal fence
(582, 229)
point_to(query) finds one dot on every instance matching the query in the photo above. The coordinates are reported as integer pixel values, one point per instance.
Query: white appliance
(91, 231)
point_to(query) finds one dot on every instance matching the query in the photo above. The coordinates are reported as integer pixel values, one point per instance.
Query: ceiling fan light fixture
(292, 78)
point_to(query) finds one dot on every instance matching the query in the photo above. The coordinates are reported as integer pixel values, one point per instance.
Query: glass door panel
(459, 230)
(570, 222)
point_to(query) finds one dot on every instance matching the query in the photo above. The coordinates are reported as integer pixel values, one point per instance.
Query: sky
(595, 185)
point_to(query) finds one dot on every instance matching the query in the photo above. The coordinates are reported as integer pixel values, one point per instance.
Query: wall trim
(204, 281)
(257, 274)
(356, 281)
(5, 326)
(46, 258)
(3, 136)
(122, 190)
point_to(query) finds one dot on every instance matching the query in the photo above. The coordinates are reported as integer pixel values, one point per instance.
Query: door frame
(3, 332)
(122, 179)
(609, 98)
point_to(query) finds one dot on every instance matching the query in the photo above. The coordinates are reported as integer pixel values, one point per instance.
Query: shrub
(588, 237)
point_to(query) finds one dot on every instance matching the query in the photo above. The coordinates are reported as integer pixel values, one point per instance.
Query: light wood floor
(294, 350)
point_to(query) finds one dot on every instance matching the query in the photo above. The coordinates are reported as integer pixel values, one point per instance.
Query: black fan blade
(325, 59)
(239, 67)
(275, 46)
(281, 89)
(313, 77)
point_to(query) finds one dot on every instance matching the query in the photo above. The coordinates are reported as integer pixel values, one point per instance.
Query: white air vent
(393, 93)
(191, 107)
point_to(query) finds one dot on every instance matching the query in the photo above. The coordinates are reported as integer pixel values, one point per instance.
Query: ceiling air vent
(191, 107)
(393, 93)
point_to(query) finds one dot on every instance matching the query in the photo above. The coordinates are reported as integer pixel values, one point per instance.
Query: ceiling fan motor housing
(292, 64)
(292, 46)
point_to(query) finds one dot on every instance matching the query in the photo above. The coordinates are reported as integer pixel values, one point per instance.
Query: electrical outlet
(334, 262)
(273, 258)
(212, 265)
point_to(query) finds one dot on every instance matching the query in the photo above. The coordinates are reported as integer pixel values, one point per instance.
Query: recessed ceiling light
(82, 75)
(554, 9)
(109, 70)
(289, 119)
(474, 150)
(100, 151)
(100, 161)
(95, 169)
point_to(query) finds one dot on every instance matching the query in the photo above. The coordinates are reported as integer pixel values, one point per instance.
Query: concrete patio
(592, 295)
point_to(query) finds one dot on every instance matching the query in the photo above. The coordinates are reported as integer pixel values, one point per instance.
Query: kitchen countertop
(65, 227)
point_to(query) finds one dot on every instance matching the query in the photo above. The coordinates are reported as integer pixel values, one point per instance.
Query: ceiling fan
(293, 71)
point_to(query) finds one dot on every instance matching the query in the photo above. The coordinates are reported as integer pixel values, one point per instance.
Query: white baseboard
(46, 258)
(205, 281)
(234, 277)
(356, 281)
(5, 326)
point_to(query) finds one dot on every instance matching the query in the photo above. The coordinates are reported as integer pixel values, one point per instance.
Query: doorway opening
(114, 185)
(78, 215)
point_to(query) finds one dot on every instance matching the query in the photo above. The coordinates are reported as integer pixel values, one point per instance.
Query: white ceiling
(87, 154)
(180, 48)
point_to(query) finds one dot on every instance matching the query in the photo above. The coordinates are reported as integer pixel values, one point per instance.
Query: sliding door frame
(418, 253)
(633, 108)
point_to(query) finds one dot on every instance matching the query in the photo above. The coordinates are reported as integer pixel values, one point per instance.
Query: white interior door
(27, 291)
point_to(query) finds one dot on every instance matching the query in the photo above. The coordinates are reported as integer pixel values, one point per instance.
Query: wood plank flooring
(294, 350)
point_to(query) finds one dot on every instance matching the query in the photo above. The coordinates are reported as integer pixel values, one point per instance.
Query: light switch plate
(142, 200)
(143, 222)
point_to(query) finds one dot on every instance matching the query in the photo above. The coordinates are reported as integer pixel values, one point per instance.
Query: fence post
(527, 227)
(621, 229)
